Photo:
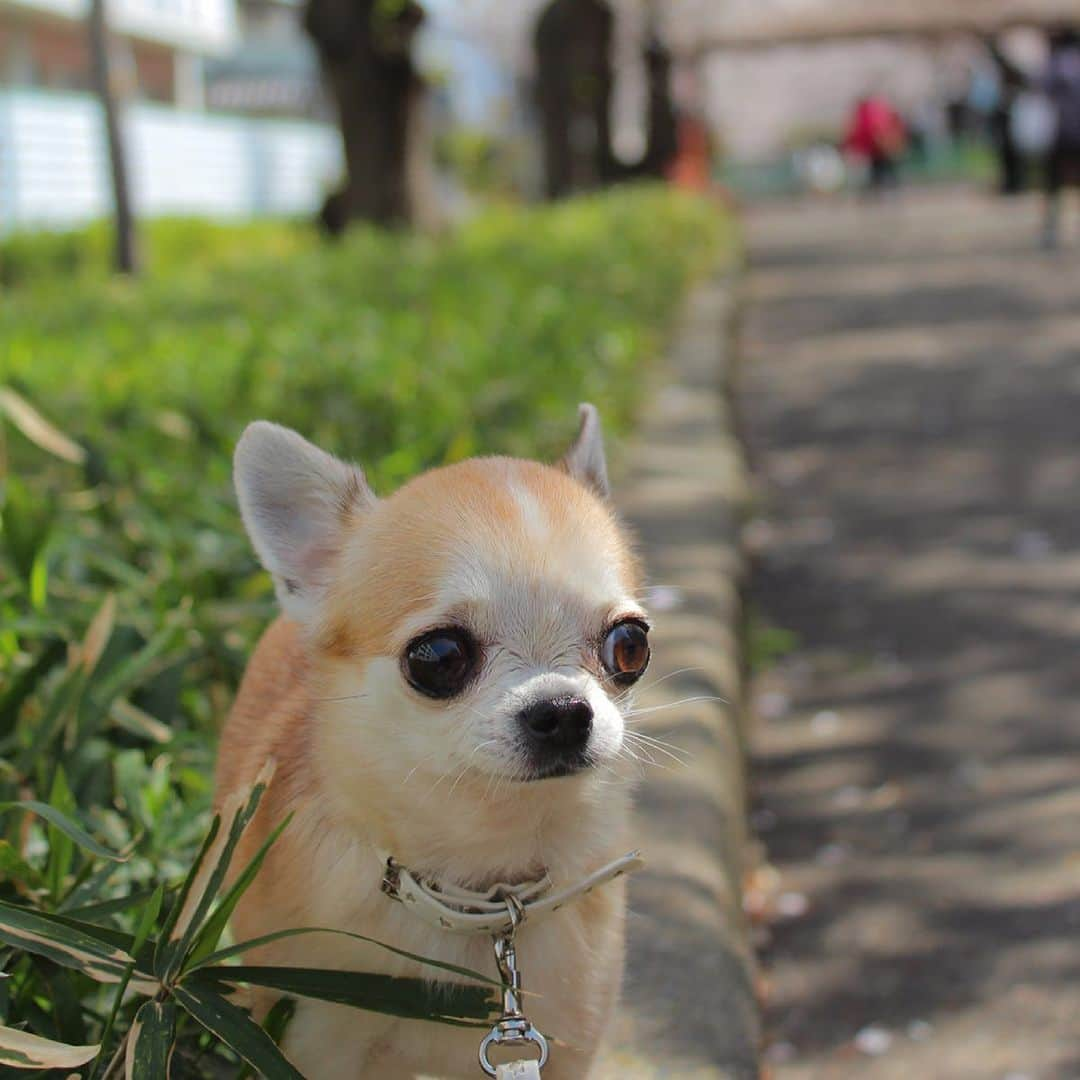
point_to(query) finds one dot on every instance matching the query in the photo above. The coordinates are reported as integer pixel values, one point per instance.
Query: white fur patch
(533, 516)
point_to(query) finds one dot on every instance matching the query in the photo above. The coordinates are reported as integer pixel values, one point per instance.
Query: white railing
(54, 170)
(199, 25)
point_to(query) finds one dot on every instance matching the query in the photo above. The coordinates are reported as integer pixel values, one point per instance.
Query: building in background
(273, 69)
(222, 117)
(160, 43)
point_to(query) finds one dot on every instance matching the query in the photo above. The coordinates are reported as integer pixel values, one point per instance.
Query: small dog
(447, 683)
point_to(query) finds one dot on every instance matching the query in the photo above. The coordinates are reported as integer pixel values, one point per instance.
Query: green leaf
(211, 874)
(24, 684)
(14, 868)
(276, 1022)
(163, 955)
(235, 950)
(63, 703)
(93, 950)
(147, 918)
(94, 884)
(65, 824)
(39, 580)
(21, 1050)
(63, 994)
(416, 999)
(235, 1027)
(211, 932)
(150, 1041)
(278, 1018)
(61, 846)
(127, 675)
(27, 520)
(104, 908)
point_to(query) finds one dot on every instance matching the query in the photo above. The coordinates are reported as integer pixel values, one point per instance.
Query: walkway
(912, 400)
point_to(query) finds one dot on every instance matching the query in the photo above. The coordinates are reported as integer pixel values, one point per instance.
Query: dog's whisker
(639, 762)
(675, 704)
(468, 763)
(424, 759)
(673, 753)
(659, 744)
(644, 687)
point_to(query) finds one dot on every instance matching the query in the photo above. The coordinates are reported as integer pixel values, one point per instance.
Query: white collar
(501, 908)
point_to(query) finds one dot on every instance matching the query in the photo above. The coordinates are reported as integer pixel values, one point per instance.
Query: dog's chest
(565, 960)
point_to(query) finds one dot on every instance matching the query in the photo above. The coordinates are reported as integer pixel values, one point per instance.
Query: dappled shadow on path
(922, 479)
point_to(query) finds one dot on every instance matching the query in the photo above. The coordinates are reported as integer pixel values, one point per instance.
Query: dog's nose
(561, 723)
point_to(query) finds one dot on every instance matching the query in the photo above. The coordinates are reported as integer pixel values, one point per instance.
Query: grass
(129, 598)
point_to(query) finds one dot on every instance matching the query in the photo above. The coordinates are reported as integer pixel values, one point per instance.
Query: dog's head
(480, 622)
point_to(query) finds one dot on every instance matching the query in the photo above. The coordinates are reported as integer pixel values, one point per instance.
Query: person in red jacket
(877, 135)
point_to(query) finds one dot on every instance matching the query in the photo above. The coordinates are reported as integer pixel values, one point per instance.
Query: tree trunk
(365, 51)
(573, 44)
(126, 253)
(663, 137)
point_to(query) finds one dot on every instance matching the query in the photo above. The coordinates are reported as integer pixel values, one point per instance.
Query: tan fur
(365, 763)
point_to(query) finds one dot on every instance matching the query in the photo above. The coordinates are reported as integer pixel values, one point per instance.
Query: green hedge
(399, 352)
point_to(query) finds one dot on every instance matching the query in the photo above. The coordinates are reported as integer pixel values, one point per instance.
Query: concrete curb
(688, 1003)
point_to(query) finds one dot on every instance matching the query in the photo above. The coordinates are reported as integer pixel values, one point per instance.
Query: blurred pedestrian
(1061, 84)
(1011, 84)
(877, 136)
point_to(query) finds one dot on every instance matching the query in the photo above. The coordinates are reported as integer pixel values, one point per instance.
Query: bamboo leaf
(24, 684)
(210, 934)
(150, 1041)
(14, 868)
(63, 703)
(241, 807)
(65, 825)
(126, 675)
(278, 1018)
(104, 908)
(165, 949)
(37, 429)
(93, 950)
(138, 722)
(147, 918)
(98, 634)
(61, 846)
(21, 1050)
(415, 999)
(235, 1027)
(266, 939)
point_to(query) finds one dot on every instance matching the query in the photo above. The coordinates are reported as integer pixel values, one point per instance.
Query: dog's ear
(585, 461)
(296, 502)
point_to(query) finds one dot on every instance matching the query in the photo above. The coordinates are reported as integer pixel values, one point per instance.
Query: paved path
(912, 400)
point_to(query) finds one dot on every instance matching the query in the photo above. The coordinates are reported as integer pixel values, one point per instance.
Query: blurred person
(1061, 84)
(1012, 82)
(876, 135)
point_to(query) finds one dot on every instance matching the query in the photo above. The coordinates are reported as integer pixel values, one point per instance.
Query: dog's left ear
(297, 503)
(585, 461)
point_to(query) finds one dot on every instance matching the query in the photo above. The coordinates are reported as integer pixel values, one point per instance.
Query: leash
(498, 912)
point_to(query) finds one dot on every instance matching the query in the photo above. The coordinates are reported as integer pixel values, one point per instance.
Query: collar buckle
(391, 881)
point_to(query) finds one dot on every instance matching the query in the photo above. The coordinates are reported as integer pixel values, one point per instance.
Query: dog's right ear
(585, 460)
(296, 502)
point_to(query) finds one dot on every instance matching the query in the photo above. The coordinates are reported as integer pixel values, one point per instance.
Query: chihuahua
(447, 683)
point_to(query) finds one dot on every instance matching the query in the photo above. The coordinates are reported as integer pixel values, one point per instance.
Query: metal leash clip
(513, 1027)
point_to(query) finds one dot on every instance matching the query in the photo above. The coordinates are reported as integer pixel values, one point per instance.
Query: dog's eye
(625, 652)
(440, 662)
